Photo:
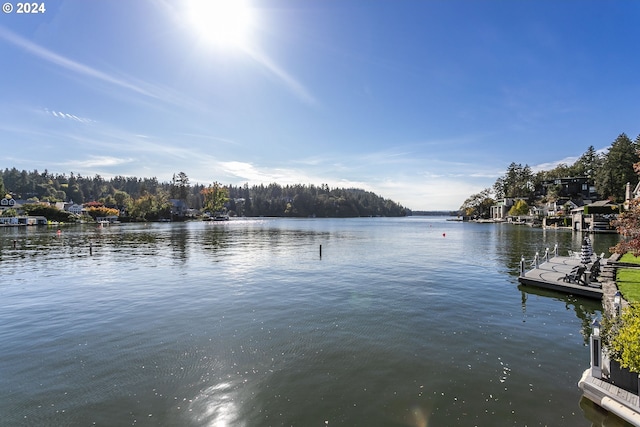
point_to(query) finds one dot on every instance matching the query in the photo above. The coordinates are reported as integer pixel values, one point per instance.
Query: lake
(412, 321)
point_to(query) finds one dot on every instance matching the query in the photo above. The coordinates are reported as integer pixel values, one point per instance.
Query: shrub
(624, 339)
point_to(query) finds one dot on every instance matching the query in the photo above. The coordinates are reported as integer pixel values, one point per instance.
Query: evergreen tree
(617, 169)
(588, 165)
(517, 182)
(180, 186)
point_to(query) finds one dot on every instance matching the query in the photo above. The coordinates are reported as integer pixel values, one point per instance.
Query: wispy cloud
(256, 175)
(551, 165)
(67, 116)
(96, 162)
(151, 93)
(67, 63)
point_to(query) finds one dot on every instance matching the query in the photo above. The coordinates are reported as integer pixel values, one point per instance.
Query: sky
(424, 102)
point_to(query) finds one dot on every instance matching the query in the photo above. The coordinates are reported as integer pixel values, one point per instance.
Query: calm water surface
(401, 322)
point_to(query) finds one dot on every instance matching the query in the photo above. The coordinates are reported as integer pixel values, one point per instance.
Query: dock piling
(522, 262)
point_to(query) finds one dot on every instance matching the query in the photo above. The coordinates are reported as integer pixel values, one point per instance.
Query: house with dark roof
(571, 187)
(596, 217)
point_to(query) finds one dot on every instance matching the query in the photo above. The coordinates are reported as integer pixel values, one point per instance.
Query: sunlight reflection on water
(244, 324)
(216, 406)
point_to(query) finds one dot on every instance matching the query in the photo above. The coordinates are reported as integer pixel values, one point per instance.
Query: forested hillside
(607, 172)
(140, 195)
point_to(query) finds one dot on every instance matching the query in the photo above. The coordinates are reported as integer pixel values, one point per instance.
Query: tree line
(608, 172)
(150, 199)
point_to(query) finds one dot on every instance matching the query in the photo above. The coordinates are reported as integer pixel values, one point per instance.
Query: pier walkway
(549, 275)
(610, 397)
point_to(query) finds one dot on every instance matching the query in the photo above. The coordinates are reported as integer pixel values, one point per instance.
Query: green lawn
(630, 259)
(628, 281)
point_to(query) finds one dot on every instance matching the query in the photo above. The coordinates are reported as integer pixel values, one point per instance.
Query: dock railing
(535, 263)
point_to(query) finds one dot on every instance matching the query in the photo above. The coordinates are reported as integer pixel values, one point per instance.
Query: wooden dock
(549, 275)
(622, 403)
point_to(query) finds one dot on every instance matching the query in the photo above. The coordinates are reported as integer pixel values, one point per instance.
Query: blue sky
(423, 102)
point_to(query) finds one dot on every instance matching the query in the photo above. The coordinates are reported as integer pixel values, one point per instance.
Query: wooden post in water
(90, 248)
(522, 266)
(14, 243)
(320, 251)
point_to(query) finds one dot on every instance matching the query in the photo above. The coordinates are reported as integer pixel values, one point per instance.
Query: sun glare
(224, 23)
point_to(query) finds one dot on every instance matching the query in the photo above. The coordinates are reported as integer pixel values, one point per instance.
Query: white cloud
(553, 164)
(61, 115)
(247, 172)
(96, 162)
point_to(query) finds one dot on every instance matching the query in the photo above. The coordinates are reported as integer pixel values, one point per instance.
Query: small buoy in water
(444, 234)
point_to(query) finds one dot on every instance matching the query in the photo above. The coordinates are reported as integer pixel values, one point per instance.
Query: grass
(628, 281)
(630, 258)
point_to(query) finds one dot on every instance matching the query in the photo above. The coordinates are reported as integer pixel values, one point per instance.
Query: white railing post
(596, 350)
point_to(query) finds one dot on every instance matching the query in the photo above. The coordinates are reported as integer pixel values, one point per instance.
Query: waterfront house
(630, 195)
(536, 211)
(595, 217)
(562, 206)
(178, 208)
(7, 203)
(17, 204)
(500, 210)
(73, 208)
(57, 205)
(573, 187)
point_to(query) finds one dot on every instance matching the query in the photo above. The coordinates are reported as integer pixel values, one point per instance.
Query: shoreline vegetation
(133, 199)
(593, 176)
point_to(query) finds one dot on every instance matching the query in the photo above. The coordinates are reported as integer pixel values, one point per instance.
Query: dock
(549, 274)
(610, 397)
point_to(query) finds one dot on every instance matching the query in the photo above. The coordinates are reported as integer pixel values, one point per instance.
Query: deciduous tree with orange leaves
(215, 196)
